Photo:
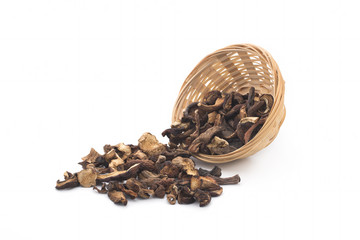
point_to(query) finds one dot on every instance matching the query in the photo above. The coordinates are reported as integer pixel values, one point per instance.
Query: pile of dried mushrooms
(221, 123)
(144, 170)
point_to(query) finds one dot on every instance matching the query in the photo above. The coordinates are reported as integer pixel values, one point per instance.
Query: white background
(81, 74)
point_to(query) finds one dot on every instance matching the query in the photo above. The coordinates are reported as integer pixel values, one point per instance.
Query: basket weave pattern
(237, 68)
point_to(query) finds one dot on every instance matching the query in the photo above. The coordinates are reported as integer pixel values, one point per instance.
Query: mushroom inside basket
(221, 123)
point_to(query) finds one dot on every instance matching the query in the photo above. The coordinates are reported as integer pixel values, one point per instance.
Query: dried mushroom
(117, 197)
(70, 181)
(150, 145)
(87, 177)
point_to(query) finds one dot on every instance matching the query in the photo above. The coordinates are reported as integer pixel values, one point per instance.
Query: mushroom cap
(269, 101)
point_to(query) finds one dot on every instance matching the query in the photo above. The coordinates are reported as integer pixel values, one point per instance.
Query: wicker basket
(237, 68)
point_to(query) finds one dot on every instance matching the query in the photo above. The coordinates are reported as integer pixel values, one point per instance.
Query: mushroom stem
(226, 181)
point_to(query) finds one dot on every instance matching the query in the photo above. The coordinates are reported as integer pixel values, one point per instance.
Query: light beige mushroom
(217, 144)
(150, 145)
(186, 164)
(91, 157)
(87, 177)
(125, 149)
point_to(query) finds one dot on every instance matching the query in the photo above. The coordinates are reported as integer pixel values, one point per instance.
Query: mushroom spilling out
(221, 123)
(153, 169)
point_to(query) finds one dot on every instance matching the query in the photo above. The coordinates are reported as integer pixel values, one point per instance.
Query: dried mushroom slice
(251, 96)
(160, 191)
(170, 169)
(204, 138)
(144, 164)
(249, 133)
(211, 97)
(111, 155)
(209, 108)
(253, 110)
(218, 145)
(119, 175)
(147, 174)
(91, 157)
(145, 193)
(265, 109)
(87, 177)
(117, 197)
(227, 181)
(251, 120)
(150, 145)
(103, 189)
(124, 149)
(115, 163)
(216, 171)
(202, 197)
(203, 183)
(186, 164)
(216, 193)
(140, 155)
(70, 181)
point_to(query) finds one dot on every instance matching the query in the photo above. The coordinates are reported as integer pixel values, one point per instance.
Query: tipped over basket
(237, 68)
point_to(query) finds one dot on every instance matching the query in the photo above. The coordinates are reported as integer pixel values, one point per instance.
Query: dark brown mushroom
(103, 189)
(238, 98)
(204, 138)
(160, 191)
(216, 193)
(211, 97)
(249, 132)
(144, 164)
(117, 186)
(253, 110)
(227, 105)
(170, 169)
(189, 109)
(134, 185)
(233, 111)
(185, 196)
(195, 134)
(265, 109)
(226, 181)
(251, 96)
(70, 181)
(216, 171)
(202, 197)
(210, 108)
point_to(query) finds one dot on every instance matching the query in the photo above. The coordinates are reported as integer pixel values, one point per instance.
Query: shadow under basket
(237, 68)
